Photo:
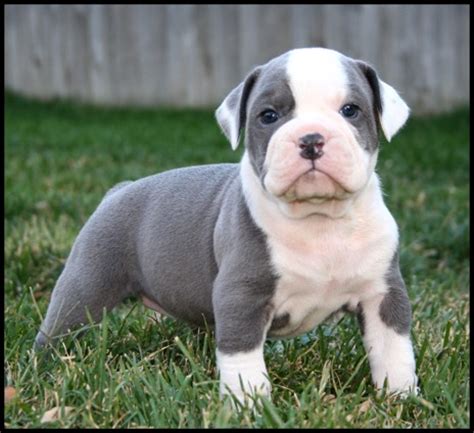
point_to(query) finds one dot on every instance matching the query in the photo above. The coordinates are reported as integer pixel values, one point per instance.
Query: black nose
(311, 146)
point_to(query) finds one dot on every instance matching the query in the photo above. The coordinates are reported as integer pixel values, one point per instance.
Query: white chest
(320, 274)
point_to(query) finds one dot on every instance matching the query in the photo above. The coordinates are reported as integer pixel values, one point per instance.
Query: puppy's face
(311, 119)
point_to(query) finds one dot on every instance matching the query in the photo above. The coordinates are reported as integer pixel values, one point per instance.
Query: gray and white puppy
(268, 247)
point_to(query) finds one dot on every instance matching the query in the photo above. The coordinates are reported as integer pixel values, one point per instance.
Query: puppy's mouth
(315, 185)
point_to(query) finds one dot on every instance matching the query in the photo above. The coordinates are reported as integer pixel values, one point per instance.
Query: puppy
(269, 247)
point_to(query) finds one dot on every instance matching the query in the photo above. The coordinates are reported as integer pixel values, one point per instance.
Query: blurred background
(192, 55)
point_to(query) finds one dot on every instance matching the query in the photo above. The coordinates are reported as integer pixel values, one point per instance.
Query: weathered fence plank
(192, 55)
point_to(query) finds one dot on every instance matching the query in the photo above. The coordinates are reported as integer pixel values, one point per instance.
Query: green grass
(131, 371)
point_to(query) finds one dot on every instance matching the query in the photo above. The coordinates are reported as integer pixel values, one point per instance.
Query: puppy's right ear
(392, 110)
(231, 114)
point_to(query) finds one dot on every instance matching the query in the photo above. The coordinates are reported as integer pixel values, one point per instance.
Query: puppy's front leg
(385, 323)
(242, 321)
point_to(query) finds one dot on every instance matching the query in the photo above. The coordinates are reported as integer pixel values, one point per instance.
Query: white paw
(245, 389)
(402, 383)
(244, 375)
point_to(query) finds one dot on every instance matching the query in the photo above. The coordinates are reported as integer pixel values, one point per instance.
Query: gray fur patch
(364, 92)
(185, 240)
(271, 91)
(361, 318)
(244, 287)
(280, 322)
(395, 309)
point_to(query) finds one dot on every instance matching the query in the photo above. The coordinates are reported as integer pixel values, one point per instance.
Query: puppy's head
(311, 119)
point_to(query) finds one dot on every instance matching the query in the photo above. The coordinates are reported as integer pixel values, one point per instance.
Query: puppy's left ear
(232, 113)
(392, 110)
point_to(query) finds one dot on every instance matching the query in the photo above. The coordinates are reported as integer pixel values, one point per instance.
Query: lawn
(135, 371)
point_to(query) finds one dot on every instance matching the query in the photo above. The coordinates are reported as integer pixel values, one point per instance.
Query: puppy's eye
(268, 116)
(350, 111)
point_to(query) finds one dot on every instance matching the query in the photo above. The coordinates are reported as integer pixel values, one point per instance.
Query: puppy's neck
(262, 204)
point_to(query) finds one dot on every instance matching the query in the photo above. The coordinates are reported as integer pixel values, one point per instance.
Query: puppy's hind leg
(93, 279)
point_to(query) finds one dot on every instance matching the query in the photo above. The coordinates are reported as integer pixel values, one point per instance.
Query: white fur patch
(317, 79)
(243, 373)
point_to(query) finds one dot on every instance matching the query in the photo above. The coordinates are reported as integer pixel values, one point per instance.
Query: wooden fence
(192, 55)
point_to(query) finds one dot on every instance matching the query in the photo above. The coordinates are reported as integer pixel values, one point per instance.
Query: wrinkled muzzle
(314, 158)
